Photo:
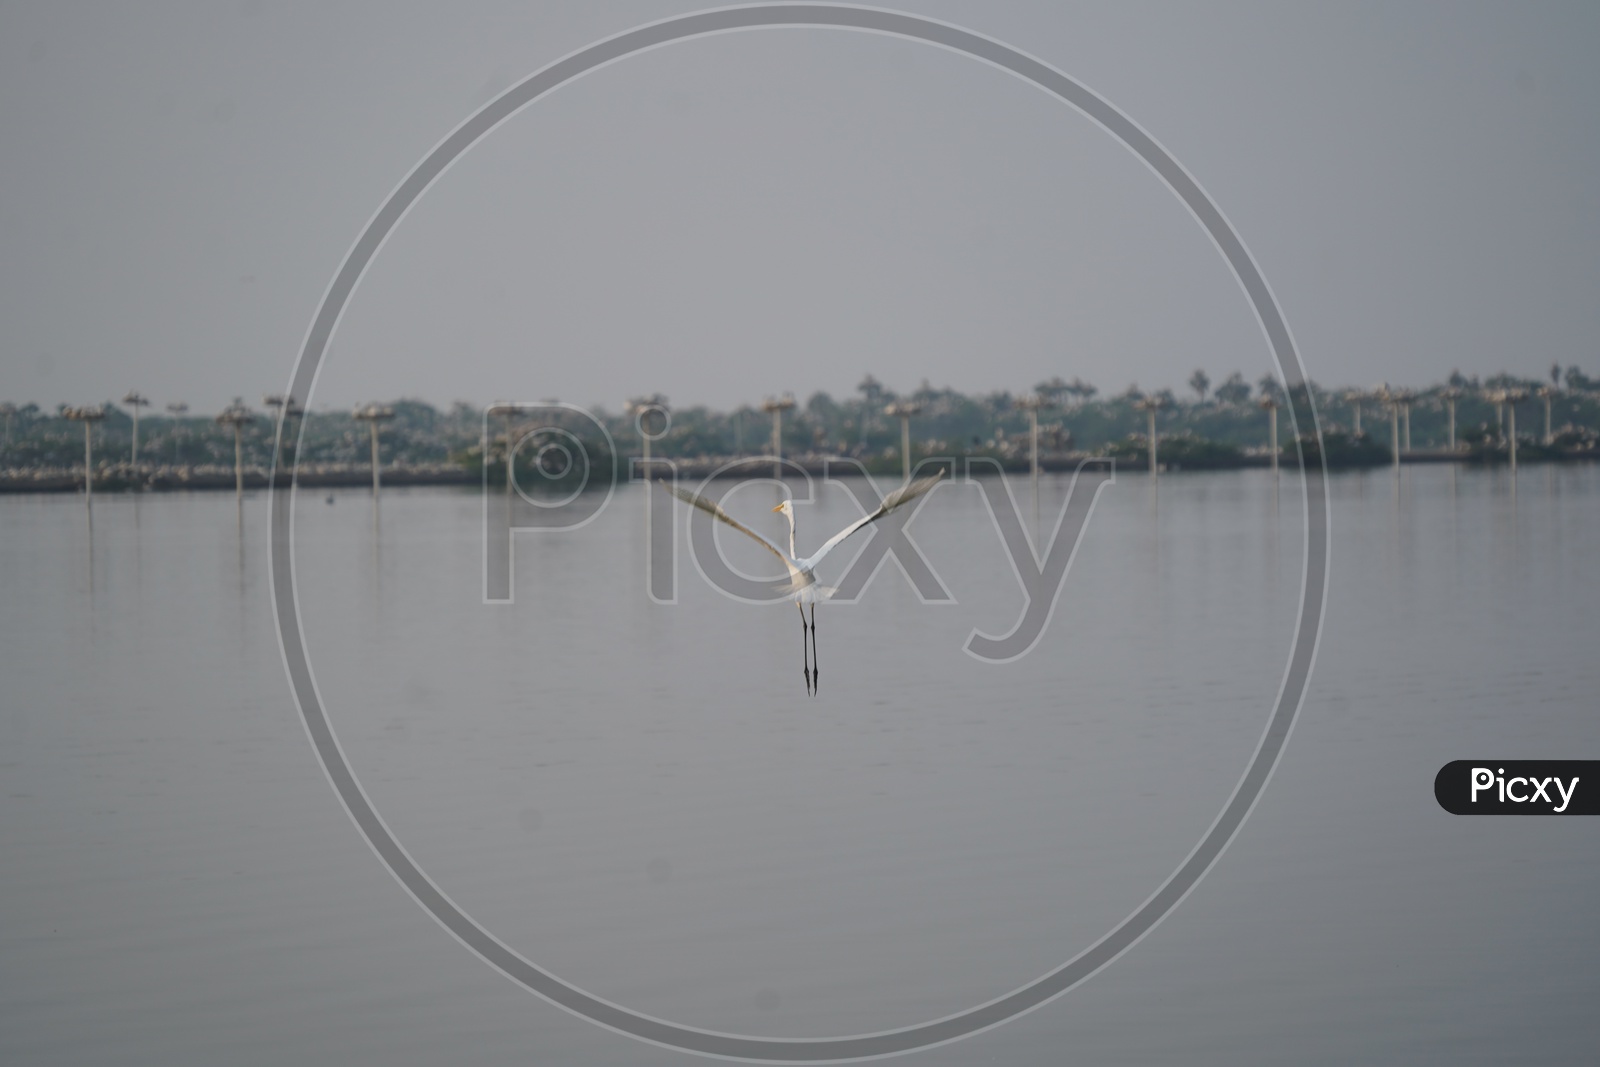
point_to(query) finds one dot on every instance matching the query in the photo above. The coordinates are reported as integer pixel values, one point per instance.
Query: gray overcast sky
(787, 209)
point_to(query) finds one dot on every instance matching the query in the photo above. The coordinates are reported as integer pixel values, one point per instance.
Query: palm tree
(1234, 390)
(1200, 382)
(1052, 389)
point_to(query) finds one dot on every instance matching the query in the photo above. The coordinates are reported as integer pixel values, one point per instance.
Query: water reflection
(1147, 667)
(377, 549)
(89, 530)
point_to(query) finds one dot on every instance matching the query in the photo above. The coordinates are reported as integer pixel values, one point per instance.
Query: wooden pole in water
(372, 415)
(135, 401)
(777, 406)
(237, 415)
(88, 416)
(1450, 396)
(1270, 404)
(1384, 395)
(1513, 398)
(1150, 405)
(904, 411)
(1031, 404)
(177, 409)
(651, 421)
(905, 448)
(1033, 451)
(1152, 440)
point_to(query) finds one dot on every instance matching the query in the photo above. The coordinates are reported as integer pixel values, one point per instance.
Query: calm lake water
(641, 797)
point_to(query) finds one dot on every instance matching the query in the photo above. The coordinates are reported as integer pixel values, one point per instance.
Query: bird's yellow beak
(778, 508)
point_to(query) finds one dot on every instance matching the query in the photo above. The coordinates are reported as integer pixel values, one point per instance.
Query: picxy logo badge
(1517, 787)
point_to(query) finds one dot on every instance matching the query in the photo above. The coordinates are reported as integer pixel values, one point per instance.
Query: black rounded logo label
(1519, 787)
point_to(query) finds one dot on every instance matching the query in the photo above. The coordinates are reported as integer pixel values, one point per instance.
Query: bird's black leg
(816, 664)
(804, 650)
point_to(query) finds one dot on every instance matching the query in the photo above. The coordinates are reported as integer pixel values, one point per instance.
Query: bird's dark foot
(816, 680)
(808, 682)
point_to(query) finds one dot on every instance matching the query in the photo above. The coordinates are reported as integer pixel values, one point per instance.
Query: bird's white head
(786, 508)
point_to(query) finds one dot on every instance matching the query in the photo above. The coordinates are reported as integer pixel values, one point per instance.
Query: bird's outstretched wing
(902, 495)
(714, 509)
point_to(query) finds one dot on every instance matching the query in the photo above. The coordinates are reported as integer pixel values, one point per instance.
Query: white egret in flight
(803, 587)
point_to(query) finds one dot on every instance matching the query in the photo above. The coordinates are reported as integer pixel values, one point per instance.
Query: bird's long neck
(788, 513)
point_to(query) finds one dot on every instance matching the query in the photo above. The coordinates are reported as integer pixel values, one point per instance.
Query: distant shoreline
(125, 479)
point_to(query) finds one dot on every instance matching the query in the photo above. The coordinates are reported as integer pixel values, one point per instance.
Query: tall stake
(135, 401)
(903, 410)
(237, 415)
(87, 416)
(1152, 413)
(1150, 405)
(777, 442)
(376, 477)
(1032, 404)
(1033, 433)
(777, 406)
(905, 448)
(373, 414)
